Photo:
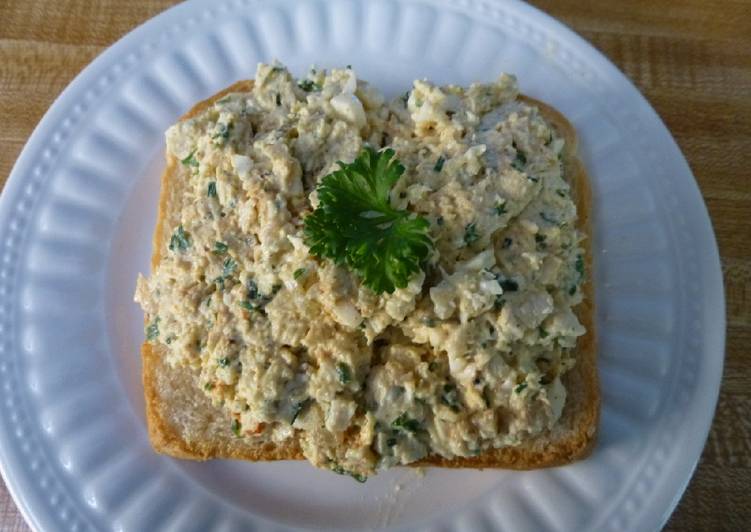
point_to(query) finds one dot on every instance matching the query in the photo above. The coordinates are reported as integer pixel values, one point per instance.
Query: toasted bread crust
(183, 423)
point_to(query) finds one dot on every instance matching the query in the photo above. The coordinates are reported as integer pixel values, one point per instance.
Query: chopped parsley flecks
(180, 240)
(439, 164)
(470, 234)
(220, 248)
(297, 409)
(253, 292)
(339, 470)
(343, 373)
(308, 85)
(579, 265)
(221, 133)
(299, 272)
(211, 190)
(403, 422)
(228, 267)
(247, 305)
(190, 160)
(152, 330)
(520, 387)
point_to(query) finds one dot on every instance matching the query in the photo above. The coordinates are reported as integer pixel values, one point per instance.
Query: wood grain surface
(691, 59)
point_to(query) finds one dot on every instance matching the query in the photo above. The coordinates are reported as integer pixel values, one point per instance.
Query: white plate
(75, 228)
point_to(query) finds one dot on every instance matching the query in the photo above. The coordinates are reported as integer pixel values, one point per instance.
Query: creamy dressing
(467, 357)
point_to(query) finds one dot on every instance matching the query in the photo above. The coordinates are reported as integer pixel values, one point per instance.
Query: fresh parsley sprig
(355, 223)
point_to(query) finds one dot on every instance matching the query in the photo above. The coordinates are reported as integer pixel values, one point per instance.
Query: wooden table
(691, 58)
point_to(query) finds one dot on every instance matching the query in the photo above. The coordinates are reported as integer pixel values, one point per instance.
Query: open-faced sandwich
(368, 283)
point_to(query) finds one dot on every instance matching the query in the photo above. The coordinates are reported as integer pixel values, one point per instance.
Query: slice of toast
(183, 423)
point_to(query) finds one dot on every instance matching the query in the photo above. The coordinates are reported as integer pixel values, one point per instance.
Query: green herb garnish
(343, 372)
(308, 85)
(470, 234)
(223, 362)
(222, 132)
(252, 289)
(500, 208)
(152, 330)
(579, 265)
(521, 387)
(299, 272)
(236, 426)
(405, 423)
(180, 240)
(356, 225)
(297, 408)
(190, 160)
(220, 248)
(229, 267)
(211, 191)
(439, 164)
(339, 470)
